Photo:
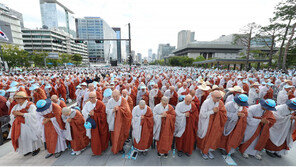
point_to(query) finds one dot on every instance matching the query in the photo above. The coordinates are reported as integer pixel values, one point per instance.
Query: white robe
(252, 125)
(253, 95)
(282, 97)
(136, 122)
(30, 136)
(152, 94)
(110, 114)
(157, 112)
(61, 141)
(283, 129)
(180, 123)
(232, 109)
(206, 111)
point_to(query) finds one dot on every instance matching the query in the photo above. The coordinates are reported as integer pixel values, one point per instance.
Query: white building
(164, 50)
(10, 24)
(53, 41)
(185, 37)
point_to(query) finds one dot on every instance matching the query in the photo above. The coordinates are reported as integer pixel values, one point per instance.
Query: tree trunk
(248, 49)
(287, 47)
(271, 51)
(282, 45)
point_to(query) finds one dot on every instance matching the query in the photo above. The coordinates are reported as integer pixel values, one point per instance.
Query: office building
(10, 24)
(185, 37)
(96, 28)
(164, 50)
(139, 58)
(149, 55)
(54, 42)
(56, 15)
(118, 36)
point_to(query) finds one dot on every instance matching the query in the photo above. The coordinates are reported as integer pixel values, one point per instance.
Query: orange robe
(147, 131)
(215, 130)
(196, 102)
(51, 135)
(133, 95)
(122, 124)
(157, 98)
(72, 91)
(79, 139)
(39, 95)
(234, 139)
(3, 106)
(185, 143)
(16, 127)
(100, 135)
(174, 99)
(166, 135)
(262, 130)
(62, 104)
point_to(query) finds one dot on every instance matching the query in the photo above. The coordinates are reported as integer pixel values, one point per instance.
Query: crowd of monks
(166, 108)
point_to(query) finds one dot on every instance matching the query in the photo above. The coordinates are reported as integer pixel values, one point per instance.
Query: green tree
(65, 58)
(39, 58)
(77, 59)
(14, 56)
(199, 58)
(285, 12)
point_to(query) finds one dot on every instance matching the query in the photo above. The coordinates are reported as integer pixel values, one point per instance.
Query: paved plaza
(9, 158)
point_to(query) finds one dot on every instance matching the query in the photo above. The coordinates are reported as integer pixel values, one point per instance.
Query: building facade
(149, 55)
(185, 37)
(96, 28)
(10, 24)
(164, 50)
(56, 15)
(118, 36)
(53, 42)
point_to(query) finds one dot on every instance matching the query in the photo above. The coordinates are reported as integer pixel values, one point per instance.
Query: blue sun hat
(143, 87)
(13, 83)
(181, 98)
(32, 81)
(47, 86)
(33, 87)
(107, 92)
(78, 87)
(76, 108)
(43, 105)
(291, 103)
(152, 83)
(241, 99)
(12, 89)
(268, 104)
(2, 92)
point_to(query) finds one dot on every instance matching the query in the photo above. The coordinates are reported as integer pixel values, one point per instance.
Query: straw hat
(236, 89)
(215, 87)
(21, 95)
(255, 84)
(204, 87)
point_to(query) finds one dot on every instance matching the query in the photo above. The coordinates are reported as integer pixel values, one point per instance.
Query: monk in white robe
(25, 133)
(280, 140)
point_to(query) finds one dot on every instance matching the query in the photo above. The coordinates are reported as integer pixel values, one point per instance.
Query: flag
(3, 36)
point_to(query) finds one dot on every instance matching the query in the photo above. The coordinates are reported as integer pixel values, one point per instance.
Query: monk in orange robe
(119, 119)
(76, 133)
(142, 123)
(164, 126)
(186, 126)
(212, 118)
(55, 99)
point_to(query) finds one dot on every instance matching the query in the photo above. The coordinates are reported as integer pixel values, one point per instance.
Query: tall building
(54, 42)
(184, 38)
(139, 58)
(149, 55)
(118, 36)
(10, 24)
(56, 15)
(97, 28)
(164, 50)
(153, 57)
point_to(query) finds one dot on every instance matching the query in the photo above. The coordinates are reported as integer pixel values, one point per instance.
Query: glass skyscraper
(97, 28)
(56, 15)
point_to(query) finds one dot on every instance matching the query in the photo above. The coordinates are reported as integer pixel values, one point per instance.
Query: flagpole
(2, 59)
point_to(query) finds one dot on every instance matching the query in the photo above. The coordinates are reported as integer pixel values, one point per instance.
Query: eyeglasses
(91, 97)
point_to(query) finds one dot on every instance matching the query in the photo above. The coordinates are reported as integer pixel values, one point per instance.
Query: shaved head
(142, 104)
(66, 111)
(116, 95)
(188, 99)
(54, 98)
(216, 96)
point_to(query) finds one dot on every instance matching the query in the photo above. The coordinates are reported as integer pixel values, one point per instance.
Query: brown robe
(174, 99)
(16, 127)
(72, 90)
(147, 131)
(39, 95)
(122, 124)
(185, 143)
(100, 135)
(3, 106)
(166, 135)
(157, 98)
(51, 135)
(79, 139)
(262, 130)
(62, 104)
(234, 139)
(215, 130)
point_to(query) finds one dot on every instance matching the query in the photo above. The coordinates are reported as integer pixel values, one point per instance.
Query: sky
(155, 22)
